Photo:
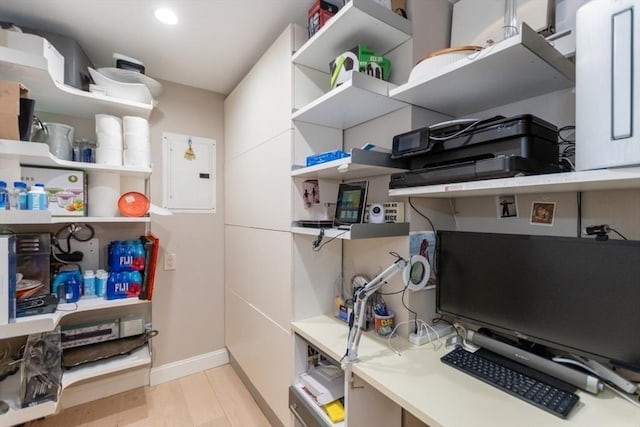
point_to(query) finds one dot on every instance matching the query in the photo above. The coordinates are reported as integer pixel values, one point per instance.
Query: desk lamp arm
(357, 318)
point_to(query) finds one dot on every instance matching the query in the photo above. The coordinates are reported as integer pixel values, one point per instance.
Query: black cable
(422, 215)
(564, 129)
(319, 246)
(618, 233)
(437, 320)
(579, 219)
(73, 233)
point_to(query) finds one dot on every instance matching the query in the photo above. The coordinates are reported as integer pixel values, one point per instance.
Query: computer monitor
(352, 199)
(577, 295)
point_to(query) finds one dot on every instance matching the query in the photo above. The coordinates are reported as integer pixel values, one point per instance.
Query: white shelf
(355, 101)
(595, 180)
(53, 97)
(47, 322)
(137, 358)
(359, 21)
(517, 68)
(37, 154)
(360, 164)
(44, 217)
(358, 231)
(10, 394)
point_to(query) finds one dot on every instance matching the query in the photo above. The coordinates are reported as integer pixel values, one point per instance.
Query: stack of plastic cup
(109, 140)
(137, 142)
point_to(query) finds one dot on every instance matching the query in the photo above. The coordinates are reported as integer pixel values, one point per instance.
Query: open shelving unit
(37, 154)
(359, 164)
(363, 20)
(520, 67)
(594, 180)
(52, 97)
(355, 101)
(47, 322)
(9, 392)
(358, 231)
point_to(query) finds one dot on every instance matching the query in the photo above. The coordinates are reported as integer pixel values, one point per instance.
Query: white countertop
(439, 395)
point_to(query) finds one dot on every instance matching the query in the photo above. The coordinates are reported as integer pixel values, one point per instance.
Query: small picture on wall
(542, 213)
(507, 206)
(310, 192)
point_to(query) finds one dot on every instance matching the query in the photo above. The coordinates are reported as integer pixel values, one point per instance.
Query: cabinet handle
(293, 407)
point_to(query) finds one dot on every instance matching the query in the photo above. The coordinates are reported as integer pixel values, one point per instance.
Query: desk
(441, 396)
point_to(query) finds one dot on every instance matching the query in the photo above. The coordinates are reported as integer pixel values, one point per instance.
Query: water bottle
(89, 279)
(37, 198)
(4, 196)
(72, 289)
(135, 284)
(139, 255)
(18, 196)
(101, 283)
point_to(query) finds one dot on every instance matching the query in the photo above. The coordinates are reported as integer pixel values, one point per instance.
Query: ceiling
(214, 44)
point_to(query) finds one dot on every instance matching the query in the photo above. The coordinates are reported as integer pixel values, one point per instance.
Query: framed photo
(507, 206)
(311, 192)
(542, 213)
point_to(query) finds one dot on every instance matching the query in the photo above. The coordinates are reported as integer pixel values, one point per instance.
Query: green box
(369, 62)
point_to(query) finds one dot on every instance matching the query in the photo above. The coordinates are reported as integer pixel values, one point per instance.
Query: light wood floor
(214, 398)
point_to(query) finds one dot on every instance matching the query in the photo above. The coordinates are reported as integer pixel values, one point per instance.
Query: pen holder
(384, 324)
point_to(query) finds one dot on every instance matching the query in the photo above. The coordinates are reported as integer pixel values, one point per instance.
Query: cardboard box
(66, 188)
(361, 59)
(318, 15)
(10, 93)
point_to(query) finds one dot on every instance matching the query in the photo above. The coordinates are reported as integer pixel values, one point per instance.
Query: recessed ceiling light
(166, 16)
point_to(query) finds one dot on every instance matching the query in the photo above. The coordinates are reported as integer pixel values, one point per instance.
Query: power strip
(422, 337)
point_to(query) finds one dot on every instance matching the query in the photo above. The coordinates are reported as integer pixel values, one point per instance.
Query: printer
(469, 150)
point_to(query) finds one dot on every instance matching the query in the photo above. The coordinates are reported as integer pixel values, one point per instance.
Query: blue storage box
(327, 156)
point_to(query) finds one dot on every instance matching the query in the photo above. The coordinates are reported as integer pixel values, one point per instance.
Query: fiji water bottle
(135, 284)
(4, 196)
(138, 256)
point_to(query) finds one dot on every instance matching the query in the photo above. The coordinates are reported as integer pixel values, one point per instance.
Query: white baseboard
(182, 368)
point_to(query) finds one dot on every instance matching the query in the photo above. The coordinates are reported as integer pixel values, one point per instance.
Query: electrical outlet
(170, 261)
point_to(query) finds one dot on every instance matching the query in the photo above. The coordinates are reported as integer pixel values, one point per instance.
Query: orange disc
(133, 204)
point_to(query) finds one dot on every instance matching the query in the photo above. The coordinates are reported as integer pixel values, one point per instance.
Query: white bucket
(109, 141)
(133, 124)
(137, 158)
(104, 191)
(136, 142)
(108, 156)
(108, 124)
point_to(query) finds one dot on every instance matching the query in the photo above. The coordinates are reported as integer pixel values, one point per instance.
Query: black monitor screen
(578, 295)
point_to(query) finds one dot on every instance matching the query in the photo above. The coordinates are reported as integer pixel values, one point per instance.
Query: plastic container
(37, 198)
(4, 196)
(384, 324)
(89, 279)
(18, 196)
(101, 283)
